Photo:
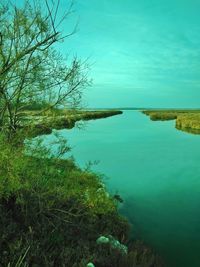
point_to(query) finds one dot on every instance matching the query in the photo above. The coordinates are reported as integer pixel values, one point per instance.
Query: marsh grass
(186, 120)
(58, 119)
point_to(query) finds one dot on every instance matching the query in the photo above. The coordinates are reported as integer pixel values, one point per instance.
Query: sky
(143, 53)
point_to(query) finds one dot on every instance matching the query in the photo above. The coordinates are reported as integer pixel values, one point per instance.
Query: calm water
(156, 170)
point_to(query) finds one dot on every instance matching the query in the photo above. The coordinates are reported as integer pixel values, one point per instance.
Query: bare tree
(31, 69)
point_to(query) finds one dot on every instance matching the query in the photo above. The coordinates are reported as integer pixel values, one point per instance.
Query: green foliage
(35, 106)
(33, 74)
(52, 212)
(53, 207)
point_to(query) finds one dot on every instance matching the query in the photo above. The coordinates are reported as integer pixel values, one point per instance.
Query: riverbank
(55, 214)
(186, 120)
(45, 122)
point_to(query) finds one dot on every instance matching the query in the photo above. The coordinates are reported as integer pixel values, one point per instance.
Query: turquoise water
(156, 170)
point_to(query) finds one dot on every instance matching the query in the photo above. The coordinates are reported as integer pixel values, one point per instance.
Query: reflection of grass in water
(186, 120)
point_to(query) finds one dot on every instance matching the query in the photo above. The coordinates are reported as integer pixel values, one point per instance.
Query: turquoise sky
(143, 52)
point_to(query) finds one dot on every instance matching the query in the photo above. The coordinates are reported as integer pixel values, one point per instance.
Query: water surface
(156, 170)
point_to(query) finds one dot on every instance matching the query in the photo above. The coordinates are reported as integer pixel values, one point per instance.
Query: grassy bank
(52, 213)
(186, 120)
(61, 119)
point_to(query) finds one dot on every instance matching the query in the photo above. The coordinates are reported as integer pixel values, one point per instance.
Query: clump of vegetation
(53, 207)
(160, 115)
(54, 212)
(186, 120)
(189, 122)
(60, 119)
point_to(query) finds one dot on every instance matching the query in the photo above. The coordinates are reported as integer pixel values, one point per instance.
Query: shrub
(54, 208)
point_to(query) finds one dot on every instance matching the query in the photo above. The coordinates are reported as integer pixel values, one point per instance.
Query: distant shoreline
(145, 108)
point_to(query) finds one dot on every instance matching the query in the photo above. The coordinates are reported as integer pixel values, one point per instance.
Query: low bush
(53, 208)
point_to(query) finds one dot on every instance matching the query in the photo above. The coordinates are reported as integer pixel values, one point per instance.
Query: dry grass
(61, 119)
(186, 120)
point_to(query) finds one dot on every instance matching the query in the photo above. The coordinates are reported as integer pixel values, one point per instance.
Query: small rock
(102, 240)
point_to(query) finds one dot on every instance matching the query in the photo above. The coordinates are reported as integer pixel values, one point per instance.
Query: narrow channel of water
(156, 170)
